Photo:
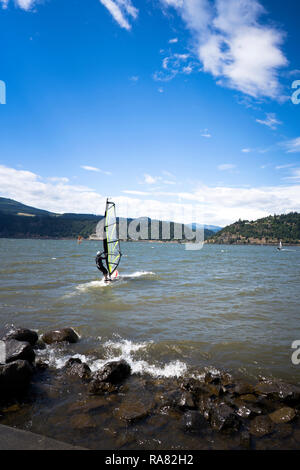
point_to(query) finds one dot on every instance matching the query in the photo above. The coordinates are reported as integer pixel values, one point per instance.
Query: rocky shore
(113, 408)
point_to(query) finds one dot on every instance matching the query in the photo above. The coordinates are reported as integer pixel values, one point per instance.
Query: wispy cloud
(173, 41)
(93, 168)
(173, 65)
(227, 36)
(24, 4)
(226, 167)
(121, 11)
(271, 121)
(205, 133)
(246, 150)
(291, 146)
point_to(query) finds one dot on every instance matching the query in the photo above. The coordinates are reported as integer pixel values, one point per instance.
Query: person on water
(99, 263)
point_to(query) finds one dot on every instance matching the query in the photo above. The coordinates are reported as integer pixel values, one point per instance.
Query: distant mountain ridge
(18, 220)
(268, 230)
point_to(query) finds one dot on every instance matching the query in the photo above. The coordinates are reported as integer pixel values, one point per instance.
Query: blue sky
(177, 109)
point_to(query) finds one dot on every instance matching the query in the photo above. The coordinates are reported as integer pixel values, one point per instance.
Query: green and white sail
(111, 242)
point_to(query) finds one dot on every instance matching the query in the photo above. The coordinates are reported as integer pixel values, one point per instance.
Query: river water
(172, 313)
(231, 307)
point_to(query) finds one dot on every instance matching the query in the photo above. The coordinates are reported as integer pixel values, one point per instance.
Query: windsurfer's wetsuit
(99, 263)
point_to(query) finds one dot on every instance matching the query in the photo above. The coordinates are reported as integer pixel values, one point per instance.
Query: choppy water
(171, 311)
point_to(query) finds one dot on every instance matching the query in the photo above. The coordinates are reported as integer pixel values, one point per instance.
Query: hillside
(268, 230)
(20, 221)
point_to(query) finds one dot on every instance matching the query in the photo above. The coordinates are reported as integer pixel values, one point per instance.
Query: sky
(184, 110)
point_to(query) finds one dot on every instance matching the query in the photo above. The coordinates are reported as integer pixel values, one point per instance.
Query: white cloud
(93, 168)
(226, 167)
(292, 146)
(148, 179)
(295, 176)
(4, 3)
(121, 10)
(216, 205)
(206, 134)
(24, 4)
(173, 65)
(246, 150)
(271, 121)
(228, 36)
(173, 41)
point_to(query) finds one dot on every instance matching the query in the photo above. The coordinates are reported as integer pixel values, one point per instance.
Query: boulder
(194, 421)
(283, 415)
(76, 367)
(223, 418)
(277, 390)
(19, 334)
(15, 377)
(181, 399)
(101, 388)
(58, 336)
(15, 350)
(113, 372)
(261, 426)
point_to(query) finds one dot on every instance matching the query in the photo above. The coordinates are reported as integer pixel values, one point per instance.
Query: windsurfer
(99, 263)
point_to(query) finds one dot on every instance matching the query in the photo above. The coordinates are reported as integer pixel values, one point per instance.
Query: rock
(101, 388)
(283, 415)
(223, 417)
(261, 426)
(194, 421)
(133, 411)
(249, 398)
(282, 431)
(15, 377)
(247, 410)
(82, 422)
(177, 399)
(205, 405)
(75, 367)
(41, 365)
(19, 334)
(245, 440)
(58, 336)
(243, 389)
(211, 378)
(15, 350)
(278, 390)
(113, 372)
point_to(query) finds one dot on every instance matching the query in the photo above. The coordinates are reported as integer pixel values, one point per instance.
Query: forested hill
(268, 230)
(20, 221)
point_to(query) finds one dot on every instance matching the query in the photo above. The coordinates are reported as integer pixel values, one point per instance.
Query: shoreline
(179, 242)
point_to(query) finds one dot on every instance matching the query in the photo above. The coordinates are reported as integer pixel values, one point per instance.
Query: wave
(116, 350)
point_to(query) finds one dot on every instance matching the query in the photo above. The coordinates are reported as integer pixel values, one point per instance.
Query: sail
(111, 244)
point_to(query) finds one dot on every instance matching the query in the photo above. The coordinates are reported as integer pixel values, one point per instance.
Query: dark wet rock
(92, 405)
(134, 411)
(15, 377)
(113, 372)
(19, 334)
(58, 336)
(243, 389)
(283, 415)
(245, 440)
(78, 368)
(282, 431)
(205, 406)
(82, 422)
(40, 365)
(40, 345)
(226, 379)
(223, 417)
(211, 378)
(247, 410)
(249, 398)
(97, 387)
(277, 390)
(176, 399)
(18, 350)
(194, 421)
(261, 426)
